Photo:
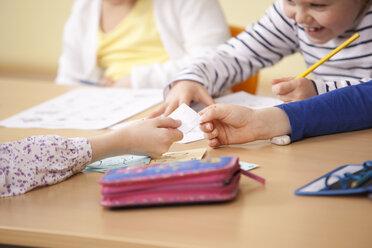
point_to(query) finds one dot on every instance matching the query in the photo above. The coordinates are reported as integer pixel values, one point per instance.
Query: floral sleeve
(40, 160)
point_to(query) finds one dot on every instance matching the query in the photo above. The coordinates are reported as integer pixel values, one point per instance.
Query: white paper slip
(86, 108)
(188, 117)
(193, 135)
(247, 166)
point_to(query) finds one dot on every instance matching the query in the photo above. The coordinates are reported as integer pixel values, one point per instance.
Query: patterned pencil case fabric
(207, 180)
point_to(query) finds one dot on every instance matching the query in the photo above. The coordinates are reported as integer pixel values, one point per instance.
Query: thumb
(213, 112)
(175, 134)
(283, 88)
(167, 122)
(160, 110)
(279, 80)
(206, 98)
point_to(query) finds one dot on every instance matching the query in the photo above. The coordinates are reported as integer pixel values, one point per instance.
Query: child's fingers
(206, 98)
(172, 107)
(283, 88)
(175, 104)
(206, 127)
(279, 80)
(208, 114)
(167, 122)
(213, 112)
(174, 135)
(213, 143)
(211, 135)
(286, 98)
(160, 110)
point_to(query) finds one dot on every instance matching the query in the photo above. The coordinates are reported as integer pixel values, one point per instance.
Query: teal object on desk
(345, 180)
(117, 162)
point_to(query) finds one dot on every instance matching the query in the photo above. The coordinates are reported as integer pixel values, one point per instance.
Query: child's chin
(317, 40)
(319, 37)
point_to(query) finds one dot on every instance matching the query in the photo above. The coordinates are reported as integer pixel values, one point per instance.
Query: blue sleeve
(342, 110)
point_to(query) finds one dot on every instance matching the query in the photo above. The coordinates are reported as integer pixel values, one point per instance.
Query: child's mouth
(314, 30)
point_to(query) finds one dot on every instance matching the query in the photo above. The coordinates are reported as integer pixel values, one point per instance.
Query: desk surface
(68, 214)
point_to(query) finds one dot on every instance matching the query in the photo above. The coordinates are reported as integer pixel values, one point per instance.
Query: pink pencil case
(207, 180)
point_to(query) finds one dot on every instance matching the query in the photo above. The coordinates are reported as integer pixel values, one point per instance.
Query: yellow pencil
(328, 56)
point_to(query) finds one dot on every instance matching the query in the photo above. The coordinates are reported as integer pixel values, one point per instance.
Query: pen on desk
(89, 82)
(363, 179)
(329, 55)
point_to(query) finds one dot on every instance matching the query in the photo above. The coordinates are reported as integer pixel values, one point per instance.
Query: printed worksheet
(245, 99)
(86, 108)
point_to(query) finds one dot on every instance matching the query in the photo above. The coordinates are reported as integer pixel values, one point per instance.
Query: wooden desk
(68, 214)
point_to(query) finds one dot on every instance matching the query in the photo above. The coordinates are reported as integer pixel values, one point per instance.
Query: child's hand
(183, 92)
(291, 90)
(226, 124)
(152, 137)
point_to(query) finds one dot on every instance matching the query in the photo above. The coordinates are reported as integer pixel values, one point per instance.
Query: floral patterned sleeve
(40, 160)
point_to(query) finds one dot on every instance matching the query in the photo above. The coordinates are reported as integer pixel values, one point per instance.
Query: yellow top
(135, 41)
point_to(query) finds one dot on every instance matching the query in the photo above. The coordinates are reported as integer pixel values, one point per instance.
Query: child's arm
(343, 110)
(226, 124)
(346, 109)
(150, 137)
(49, 159)
(260, 45)
(291, 89)
(40, 160)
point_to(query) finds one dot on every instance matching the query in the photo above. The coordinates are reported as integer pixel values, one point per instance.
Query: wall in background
(31, 34)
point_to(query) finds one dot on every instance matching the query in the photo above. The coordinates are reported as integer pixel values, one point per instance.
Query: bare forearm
(108, 144)
(275, 123)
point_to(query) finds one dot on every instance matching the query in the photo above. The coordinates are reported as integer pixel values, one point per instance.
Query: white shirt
(186, 27)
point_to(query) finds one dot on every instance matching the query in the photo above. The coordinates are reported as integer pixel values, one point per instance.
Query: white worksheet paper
(245, 99)
(86, 108)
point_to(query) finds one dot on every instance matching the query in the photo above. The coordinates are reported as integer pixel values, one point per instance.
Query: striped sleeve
(323, 86)
(261, 45)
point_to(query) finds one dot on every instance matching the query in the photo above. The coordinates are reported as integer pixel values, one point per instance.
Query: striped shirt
(275, 36)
